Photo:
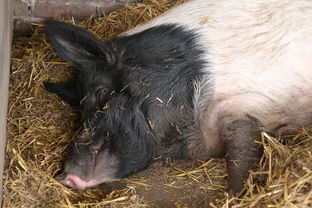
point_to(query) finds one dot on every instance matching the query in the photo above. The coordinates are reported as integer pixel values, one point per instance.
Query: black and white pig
(202, 80)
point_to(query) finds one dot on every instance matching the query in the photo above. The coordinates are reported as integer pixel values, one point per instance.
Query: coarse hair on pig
(202, 80)
(99, 73)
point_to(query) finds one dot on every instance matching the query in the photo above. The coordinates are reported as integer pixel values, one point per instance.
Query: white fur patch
(260, 59)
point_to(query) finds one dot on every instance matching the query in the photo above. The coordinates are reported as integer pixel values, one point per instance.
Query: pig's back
(258, 61)
(263, 63)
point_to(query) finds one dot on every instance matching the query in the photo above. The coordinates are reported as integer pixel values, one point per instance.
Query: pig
(202, 80)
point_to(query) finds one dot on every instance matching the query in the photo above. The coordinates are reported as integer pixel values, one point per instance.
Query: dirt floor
(40, 127)
(165, 189)
(161, 185)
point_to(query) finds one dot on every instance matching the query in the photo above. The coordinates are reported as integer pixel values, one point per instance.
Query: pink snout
(75, 182)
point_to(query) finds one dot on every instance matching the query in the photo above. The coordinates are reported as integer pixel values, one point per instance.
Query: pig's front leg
(242, 151)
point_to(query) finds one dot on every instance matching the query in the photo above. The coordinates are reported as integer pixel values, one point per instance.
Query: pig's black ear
(76, 45)
(65, 90)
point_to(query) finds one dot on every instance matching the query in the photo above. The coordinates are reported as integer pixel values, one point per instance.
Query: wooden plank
(5, 55)
(28, 11)
(66, 8)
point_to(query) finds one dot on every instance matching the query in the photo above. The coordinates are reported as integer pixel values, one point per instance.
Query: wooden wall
(66, 8)
(5, 55)
(36, 11)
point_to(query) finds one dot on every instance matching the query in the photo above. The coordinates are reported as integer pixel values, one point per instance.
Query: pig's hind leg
(242, 151)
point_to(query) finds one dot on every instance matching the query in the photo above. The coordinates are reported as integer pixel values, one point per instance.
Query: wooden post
(5, 55)
(80, 9)
(27, 11)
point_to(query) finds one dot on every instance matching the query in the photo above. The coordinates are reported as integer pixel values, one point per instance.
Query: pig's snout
(71, 181)
(74, 181)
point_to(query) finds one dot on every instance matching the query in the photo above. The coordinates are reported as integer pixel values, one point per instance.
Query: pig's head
(99, 70)
(112, 145)
(90, 162)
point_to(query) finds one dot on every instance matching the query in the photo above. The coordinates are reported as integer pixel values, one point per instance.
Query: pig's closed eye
(97, 145)
(95, 152)
(101, 92)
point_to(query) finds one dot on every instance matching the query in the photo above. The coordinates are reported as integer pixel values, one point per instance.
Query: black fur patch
(152, 113)
(152, 74)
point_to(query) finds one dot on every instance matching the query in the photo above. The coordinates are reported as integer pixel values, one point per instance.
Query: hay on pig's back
(40, 127)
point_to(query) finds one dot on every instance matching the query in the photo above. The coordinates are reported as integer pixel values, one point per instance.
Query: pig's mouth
(74, 181)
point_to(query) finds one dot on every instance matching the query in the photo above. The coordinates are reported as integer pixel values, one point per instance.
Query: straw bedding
(40, 127)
